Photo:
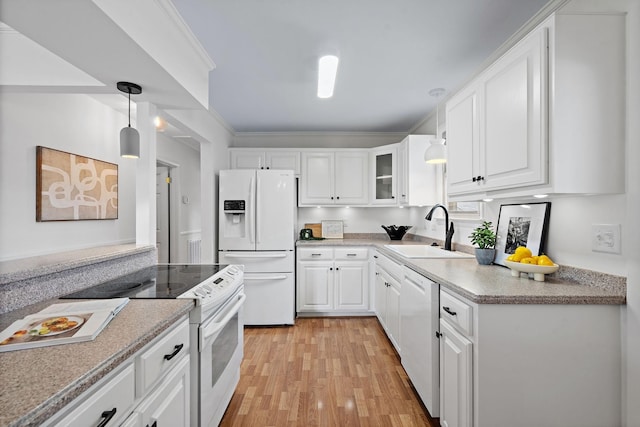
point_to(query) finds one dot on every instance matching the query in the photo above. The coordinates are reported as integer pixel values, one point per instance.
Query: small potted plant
(485, 238)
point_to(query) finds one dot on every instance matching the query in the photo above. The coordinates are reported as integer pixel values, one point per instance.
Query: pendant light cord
(129, 107)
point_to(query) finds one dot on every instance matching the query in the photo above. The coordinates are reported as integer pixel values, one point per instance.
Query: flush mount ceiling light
(327, 69)
(129, 137)
(436, 153)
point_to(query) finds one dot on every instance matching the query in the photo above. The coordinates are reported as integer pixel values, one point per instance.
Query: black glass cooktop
(158, 281)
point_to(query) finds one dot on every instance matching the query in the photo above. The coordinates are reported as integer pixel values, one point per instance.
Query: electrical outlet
(605, 238)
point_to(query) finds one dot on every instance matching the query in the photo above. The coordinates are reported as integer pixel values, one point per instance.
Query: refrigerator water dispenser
(234, 224)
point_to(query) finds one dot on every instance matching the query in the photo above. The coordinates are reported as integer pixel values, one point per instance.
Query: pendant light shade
(129, 143)
(129, 137)
(436, 153)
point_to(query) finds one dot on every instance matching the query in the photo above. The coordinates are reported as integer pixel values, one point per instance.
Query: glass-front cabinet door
(384, 167)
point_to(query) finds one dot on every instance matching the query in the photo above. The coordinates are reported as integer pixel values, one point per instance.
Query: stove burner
(118, 287)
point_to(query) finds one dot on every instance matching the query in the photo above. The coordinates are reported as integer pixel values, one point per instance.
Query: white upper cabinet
(495, 126)
(242, 158)
(535, 121)
(418, 182)
(334, 178)
(384, 168)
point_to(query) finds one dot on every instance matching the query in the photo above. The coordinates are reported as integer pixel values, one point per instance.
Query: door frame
(174, 208)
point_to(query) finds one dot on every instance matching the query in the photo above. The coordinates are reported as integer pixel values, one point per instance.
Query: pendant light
(436, 153)
(129, 137)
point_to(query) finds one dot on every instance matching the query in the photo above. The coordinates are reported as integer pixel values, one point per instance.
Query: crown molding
(168, 7)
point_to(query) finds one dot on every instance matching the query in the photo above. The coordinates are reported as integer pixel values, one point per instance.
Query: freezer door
(236, 210)
(270, 298)
(275, 210)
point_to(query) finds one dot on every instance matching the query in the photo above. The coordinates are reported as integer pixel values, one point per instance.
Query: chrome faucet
(448, 231)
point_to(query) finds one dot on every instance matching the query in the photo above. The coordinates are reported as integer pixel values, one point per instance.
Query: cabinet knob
(338, 197)
(267, 167)
(393, 197)
(331, 197)
(330, 268)
(438, 334)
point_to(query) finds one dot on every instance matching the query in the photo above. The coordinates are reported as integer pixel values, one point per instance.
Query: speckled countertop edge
(494, 284)
(27, 268)
(114, 345)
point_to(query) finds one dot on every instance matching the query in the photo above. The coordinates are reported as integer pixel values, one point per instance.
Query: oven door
(220, 349)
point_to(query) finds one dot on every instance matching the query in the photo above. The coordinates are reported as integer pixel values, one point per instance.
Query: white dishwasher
(420, 356)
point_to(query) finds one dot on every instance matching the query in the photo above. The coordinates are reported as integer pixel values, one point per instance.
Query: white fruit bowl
(538, 271)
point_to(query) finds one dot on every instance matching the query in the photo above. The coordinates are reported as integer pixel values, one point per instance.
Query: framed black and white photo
(523, 224)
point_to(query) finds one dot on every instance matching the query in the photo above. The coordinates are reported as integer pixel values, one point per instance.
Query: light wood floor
(323, 372)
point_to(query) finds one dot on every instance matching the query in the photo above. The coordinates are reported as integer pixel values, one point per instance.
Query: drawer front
(351, 254)
(393, 268)
(117, 394)
(457, 313)
(161, 357)
(316, 253)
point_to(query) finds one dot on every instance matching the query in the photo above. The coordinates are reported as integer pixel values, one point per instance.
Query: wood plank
(323, 372)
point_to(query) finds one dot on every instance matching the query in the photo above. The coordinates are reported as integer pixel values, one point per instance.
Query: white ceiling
(391, 54)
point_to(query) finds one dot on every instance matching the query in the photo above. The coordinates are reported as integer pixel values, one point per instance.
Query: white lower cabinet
(388, 275)
(107, 405)
(149, 389)
(169, 404)
(455, 378)
(333, 280)
(528, 365)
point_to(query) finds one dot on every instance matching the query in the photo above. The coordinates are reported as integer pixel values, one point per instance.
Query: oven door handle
(265, 277)
(215, 325)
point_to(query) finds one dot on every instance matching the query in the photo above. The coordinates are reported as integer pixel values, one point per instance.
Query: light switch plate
(605, 238)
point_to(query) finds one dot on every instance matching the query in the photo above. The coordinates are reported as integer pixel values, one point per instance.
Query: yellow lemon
(510, 258)
(516, 257)
(545, 260)
(524, 251)
(528, 260)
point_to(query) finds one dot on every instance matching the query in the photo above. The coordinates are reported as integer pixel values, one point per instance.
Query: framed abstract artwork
(71, 187)
(523, 224)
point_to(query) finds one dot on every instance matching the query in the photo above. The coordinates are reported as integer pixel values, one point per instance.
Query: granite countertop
(26, 268)
(493, 284)
(31, 394)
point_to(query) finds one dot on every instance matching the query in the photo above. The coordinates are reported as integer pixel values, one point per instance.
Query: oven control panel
(217, 288)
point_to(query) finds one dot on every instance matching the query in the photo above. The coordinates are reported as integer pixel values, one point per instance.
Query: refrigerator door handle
(250, 255)
(258, 205)
(251, 219)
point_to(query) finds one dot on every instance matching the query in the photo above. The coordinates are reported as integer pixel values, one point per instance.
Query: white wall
(74, 123)
(356, 220)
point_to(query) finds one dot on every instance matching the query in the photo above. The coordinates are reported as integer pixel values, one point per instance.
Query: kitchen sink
(426, 251)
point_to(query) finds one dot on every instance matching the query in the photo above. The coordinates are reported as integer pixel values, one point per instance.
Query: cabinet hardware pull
(448, 310)
(338, 197)
(331, 268)
(351, 254)
(438, 334)
(473, 179)
(316, 254)
(176, 350)
(267, 167)
(331, 197)
(375, 256)
(337, 268)
(107, 415)
(393, 197)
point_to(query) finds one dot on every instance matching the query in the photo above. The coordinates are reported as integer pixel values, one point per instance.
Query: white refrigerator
(257, 214)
